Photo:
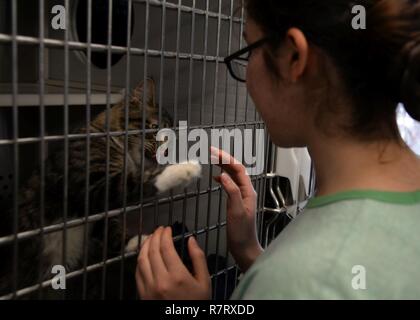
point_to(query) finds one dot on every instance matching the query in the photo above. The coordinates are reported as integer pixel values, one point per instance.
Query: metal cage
(53, 80)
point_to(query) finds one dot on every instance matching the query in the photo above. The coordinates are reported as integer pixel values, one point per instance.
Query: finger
(217, 179)
(233, 191)
(156, 262)
(170, 257)
(140, 284)
(201, 272)
(222, 157)
(143, 263)
(235, 169)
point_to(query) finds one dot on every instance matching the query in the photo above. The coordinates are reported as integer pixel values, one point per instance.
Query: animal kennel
(60, 73)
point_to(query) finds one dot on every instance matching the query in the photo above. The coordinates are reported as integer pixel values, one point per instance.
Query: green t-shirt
(351, 245)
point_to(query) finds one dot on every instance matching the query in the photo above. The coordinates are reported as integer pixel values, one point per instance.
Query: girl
(320, 82)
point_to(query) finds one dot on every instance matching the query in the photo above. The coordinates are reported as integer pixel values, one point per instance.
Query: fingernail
(223, 178)
(214, 159)
(214, 151)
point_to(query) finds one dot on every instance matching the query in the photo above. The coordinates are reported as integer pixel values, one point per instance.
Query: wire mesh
(82, 72)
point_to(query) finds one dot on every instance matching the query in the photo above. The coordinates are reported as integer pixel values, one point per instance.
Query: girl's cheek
(250, 79)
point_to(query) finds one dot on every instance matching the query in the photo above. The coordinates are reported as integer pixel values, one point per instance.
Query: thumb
(201, 273)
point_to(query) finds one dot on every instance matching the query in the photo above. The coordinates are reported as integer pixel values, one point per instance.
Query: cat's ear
(147, 87)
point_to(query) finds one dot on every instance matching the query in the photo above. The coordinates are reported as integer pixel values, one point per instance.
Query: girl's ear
(299, 48)
(142, 87)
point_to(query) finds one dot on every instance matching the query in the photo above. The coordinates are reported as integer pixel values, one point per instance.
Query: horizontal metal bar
(223, 271)
(73, 274)
(75, 45)
(56, 99)
(111, 214)
(107, 262)
(79, 136)
(97, 217)
(275, 210)
(188, 9)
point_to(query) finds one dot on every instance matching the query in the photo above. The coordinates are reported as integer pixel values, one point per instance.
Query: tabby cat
(37, 255)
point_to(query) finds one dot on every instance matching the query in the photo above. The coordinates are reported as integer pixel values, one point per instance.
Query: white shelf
(28, 95)
(32, 100)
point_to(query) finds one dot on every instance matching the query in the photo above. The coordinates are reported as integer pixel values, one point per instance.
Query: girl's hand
(241, 209)
(161, 274)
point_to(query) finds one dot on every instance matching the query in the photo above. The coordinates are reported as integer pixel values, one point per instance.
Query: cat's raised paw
(178, 175)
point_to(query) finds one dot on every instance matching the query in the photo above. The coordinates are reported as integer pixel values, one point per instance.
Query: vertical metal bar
(15, 147)
(178, 37)
(206, 245)
(229, 52)
(240, 46)
(206, 35)
(203, 95)
(184, 202)
(190, 82)
(42, 135)
(217, 66)
(225, 112)
(66, 133)
(312, 183)
(264, 180)
(189, 106)
(216, 78)
(88, 139)
(242, 22)
(260, 202)
(107, 157)
(176, 95)
(191, 66)
(146, 45)
(126, 128)
(161, 82)
(184, 215)
(162, 60)
(216, 268)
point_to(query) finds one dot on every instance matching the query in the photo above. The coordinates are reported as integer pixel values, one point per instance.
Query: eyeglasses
(238, 62)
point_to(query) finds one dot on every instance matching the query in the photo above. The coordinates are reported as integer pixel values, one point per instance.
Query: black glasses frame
(237, 56)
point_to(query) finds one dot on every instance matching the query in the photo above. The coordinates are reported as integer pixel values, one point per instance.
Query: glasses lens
(239, 66)
(239, 69)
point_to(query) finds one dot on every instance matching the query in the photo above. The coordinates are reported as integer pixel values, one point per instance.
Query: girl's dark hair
(380, 65)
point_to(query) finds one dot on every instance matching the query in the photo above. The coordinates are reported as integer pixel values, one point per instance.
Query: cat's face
(152, 115)
(152, 122)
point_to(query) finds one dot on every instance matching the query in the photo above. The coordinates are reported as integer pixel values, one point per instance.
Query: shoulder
(321, 252)
(297, 264)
